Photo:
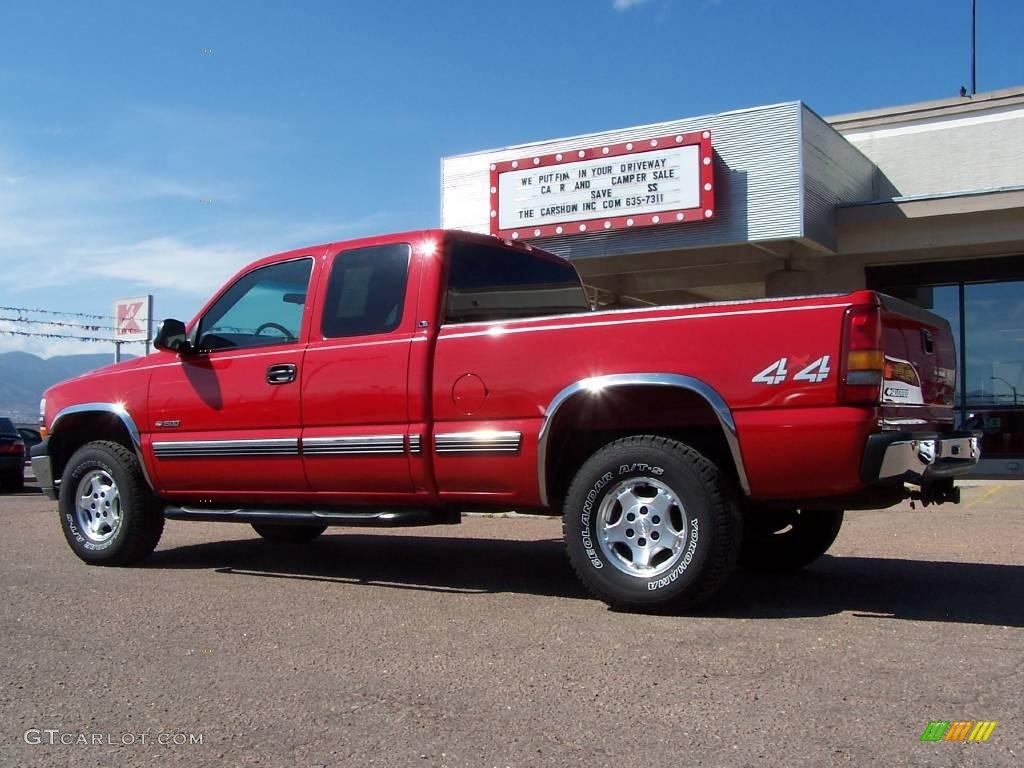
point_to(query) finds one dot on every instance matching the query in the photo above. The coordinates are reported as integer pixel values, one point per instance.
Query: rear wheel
(107, 511)
(291, 533)
(651, 524)
(787, 540)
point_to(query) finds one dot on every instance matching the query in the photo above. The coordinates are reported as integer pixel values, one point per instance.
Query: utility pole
(974, 83)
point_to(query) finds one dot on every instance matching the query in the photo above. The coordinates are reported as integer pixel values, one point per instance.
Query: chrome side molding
(478, 441)
(353, 445)
(170, 449)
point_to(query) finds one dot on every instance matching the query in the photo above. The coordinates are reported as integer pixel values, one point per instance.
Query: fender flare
(598, 384)
(116, 409)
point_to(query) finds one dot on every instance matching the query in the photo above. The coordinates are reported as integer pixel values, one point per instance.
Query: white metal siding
(960, 153)
(834, 173)
(757, 179)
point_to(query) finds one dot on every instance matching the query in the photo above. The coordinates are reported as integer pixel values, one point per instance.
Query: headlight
(42, 412)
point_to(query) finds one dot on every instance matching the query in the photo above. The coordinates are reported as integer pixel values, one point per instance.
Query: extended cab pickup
(403, 379)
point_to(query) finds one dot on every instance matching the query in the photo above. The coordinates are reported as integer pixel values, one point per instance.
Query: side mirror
(171, 336)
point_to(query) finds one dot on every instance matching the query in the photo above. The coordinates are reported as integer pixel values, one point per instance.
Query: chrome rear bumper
(919, 457)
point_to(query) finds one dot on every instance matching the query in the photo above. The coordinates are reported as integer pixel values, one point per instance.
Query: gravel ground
(474, 645)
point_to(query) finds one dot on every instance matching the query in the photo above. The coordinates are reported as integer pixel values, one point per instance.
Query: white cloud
(77, 237)
(164, 262)
(625, 5)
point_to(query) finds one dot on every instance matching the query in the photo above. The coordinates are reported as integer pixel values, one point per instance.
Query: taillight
(11, 449)
(863, 357)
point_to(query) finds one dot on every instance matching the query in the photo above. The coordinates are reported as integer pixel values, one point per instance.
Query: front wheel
(651, 524)
(787, 540)
(107, 511)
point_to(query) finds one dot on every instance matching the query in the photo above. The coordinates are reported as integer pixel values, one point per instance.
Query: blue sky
(316, 121)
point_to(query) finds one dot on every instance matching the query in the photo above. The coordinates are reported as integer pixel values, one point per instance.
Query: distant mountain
(24, 377)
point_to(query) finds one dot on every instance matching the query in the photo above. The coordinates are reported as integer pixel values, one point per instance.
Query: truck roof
(413, 236)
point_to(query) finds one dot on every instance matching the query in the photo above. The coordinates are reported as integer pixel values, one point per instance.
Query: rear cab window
(493, 282)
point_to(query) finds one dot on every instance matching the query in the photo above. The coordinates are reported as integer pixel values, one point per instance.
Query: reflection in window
(494, 283)
(994, 318)
(366, 291)
(945, 301)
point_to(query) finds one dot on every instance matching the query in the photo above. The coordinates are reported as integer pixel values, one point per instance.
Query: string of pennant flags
(128, 325)
(44, 335)
(62, 313)
(59, 323)
(45, 324)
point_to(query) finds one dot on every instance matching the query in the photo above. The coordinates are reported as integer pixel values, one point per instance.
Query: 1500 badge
(777, 372)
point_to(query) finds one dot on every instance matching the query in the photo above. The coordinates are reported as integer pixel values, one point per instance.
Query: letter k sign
(126, 314)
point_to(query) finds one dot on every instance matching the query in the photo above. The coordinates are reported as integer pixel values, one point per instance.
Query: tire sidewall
(604, 472)
(81, 463)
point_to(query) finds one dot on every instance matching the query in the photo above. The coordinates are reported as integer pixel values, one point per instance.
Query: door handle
(281, 374)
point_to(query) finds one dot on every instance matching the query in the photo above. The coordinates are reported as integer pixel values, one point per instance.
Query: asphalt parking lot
(473, 645)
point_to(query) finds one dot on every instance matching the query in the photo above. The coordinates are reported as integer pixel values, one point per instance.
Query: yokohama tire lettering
(683, 564)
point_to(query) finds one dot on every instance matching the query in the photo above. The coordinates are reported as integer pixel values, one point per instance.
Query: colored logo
(958, 730)
(126, 318)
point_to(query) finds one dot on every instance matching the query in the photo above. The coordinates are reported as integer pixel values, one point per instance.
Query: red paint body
(429, 378)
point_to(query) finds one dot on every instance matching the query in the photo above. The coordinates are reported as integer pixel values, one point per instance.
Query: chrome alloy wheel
(642, 527)
(98, 506)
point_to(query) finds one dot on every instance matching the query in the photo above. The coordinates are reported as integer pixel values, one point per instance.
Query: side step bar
(355, 517)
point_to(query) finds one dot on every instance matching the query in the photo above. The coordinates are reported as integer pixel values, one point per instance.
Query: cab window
(262, 308)
(366, 291)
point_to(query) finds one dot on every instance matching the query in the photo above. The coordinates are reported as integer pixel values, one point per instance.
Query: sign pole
(149, 322)
(133, 322)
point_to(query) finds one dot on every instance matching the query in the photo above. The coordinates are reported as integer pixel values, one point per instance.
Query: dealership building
(922, 201)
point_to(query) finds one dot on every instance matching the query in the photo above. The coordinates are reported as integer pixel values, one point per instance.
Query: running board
(355, 517)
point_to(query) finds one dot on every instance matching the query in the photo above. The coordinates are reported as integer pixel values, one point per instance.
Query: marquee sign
(642, 183)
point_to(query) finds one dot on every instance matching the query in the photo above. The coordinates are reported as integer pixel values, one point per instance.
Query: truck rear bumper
(42, 468)
(919, 457)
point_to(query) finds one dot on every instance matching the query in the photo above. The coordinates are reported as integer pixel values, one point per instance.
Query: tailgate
(920, 356)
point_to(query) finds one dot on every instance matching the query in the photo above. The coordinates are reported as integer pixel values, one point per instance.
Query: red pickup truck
(401, 380)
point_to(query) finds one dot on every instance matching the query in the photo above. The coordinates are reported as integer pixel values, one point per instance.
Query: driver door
(225, 420)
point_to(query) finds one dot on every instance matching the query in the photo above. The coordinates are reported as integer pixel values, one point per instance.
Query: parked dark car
(31, 437)
(12, 457)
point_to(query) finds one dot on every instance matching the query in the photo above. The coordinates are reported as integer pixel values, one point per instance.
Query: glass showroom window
(987, 320)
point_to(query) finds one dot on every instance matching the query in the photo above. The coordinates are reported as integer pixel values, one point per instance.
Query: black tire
(125, 522)
(288, 533)
(677, 494)
(787, 540)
